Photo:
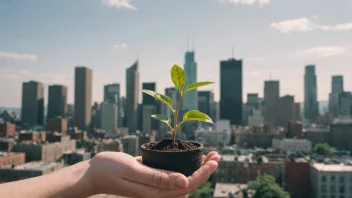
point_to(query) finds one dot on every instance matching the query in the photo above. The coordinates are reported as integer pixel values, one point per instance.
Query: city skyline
(111, 41)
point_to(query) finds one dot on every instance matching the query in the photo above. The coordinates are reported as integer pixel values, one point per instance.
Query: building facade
(83, 97)
(112, 94)
(190, 101)
(32, 111)
(7, 129)
(271, 101)
(311, 105)
(286, 111)
(293, 145)
(57, 103)
(109, 117)
(231, 91)
(132, 97)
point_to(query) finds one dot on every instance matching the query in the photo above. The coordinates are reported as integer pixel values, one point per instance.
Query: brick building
(11, 159)
(34, 136)
(7, 144)
(294, 129)
(57, 125)
(7, 129)
(297, 178)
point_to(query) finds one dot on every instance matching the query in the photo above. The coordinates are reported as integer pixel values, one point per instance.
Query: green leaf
(162, 98)
(178, 77)
(197, 116)
(162, 118)
(196, 85)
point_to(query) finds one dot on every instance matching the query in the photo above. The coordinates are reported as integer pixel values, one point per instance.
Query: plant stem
(175, 117)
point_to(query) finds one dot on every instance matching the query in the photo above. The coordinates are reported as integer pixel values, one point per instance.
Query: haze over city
(45, 40)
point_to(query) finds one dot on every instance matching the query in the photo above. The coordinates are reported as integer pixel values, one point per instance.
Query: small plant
(178, 77)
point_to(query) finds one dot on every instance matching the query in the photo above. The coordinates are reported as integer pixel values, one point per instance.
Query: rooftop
(294, 140)
(35, 166)
(332, 167)
(224, 189)
(2, 154)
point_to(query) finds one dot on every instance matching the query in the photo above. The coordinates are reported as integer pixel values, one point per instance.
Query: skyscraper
(112, 94)
(32, 111)
(57, 104)
(253, 100)
(147, 99)
(206, 103)
(286, 111)
(271, 101)
(190, 99)
(132, 96)
(109, 120)
(336, 90)
(83, 97)
(231, 91)
(311, 106)
(337, 84)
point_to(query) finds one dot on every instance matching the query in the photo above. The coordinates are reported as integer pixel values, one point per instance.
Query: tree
(204, 191)
(266, 187)
(322, 149)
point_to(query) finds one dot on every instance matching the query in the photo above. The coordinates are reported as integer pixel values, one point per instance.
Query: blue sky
(43, 40)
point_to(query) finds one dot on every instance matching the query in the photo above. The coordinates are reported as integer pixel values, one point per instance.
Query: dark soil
(167, 145)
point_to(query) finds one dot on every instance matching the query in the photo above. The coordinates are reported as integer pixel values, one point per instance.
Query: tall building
(147, 99)
(109, 119)
(231, 91)
(189, 101)
(311, 105)
(286, 111)
(271, 100)
(112, 94)
(96, 116)
(345, 104)
(253, 100)
(57, 104)
(32, 111)
(83, 97)
(132, 96)
(124, 113)
(206, 103)
(147, 120)
(336, 90)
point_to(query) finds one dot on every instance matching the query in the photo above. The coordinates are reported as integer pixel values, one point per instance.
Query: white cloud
(121, 45)
(322, 51)
(246, 2)
(17, 56)
(306, 24)
(12, 73)
(55, 78)
(119, 4)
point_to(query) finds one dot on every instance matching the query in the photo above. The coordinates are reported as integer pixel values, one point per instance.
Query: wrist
(81, 180)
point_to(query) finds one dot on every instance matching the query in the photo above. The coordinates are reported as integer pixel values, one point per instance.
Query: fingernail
(181, 182)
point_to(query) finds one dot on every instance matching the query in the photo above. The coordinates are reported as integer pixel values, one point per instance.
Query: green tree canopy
(266, 187)
(322, 149)
(204, 191)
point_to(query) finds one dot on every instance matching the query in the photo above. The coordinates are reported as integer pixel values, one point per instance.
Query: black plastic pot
(183, 162)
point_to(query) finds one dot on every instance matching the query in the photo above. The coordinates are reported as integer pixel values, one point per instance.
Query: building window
(342, 189)
(342, 179)
(323, 178)
(332, 178)
(323, 188)
(332, 189)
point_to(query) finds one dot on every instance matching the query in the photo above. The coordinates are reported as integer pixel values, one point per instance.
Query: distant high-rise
(147, 99)
(337, 84)
(32, 111)
(231, 91)
(109, 120)
(336, 90)
(57, 104)
(83, 97)
(190, 99)
(311, 105)
(271, 100)
(253, 100)
(112, 94)
(206, 103)
(132, 96)
(286, 110)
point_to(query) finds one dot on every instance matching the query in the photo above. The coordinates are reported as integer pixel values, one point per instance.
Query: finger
(139, 158)
(197, 179)
(137, 172)
(211, 154)
(215, 157)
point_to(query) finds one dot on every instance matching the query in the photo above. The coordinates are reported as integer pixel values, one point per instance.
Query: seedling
(178, 77)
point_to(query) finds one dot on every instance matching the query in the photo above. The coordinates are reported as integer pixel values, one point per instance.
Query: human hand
(121, 174)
